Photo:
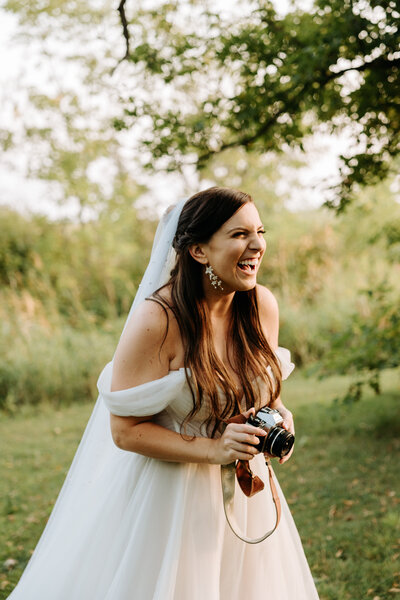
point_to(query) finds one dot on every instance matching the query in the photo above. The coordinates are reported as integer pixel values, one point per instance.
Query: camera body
(278, 442)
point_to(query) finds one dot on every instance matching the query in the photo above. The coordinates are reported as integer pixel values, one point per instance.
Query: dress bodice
(168, 398)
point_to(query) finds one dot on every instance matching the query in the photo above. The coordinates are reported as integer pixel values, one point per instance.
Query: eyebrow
(244, 228)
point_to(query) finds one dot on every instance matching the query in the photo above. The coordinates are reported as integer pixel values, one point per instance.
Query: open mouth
(248, 266)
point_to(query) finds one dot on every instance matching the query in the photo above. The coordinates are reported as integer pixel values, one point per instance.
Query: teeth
(249, 261)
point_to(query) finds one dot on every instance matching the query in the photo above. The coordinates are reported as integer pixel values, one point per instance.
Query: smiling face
(235, 250)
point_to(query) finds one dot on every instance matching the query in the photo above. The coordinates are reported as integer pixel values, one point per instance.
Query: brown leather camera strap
(250, 484)
(228, 477)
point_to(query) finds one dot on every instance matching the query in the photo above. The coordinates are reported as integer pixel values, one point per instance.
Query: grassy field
(342, 484)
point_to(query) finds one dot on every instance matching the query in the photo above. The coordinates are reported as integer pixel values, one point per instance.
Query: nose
(256, 242)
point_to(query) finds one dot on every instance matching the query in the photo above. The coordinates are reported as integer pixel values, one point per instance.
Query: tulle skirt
(158, 532)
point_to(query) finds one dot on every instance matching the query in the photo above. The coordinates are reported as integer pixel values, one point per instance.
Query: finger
(244, 456)
(250, 429)
(250, 435)
(239, 448)
(251, 411)
(246, 438)
(286, 458)
(288, 425)
(233, 456)
(243, 447)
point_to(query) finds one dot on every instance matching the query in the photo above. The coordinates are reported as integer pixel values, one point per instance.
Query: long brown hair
(202, 215)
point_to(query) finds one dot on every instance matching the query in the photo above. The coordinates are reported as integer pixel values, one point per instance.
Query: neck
(219, 302)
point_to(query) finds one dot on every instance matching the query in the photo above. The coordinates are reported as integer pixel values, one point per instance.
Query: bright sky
(19, 62)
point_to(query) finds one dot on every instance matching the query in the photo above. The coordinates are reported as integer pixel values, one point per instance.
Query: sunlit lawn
(342, 484)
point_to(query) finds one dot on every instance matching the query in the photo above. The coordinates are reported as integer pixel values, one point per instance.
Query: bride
(141, 514)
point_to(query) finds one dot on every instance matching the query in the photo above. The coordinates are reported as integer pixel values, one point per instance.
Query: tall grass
(67, 288)
(56, 366)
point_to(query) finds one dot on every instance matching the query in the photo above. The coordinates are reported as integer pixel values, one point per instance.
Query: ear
(196, 251)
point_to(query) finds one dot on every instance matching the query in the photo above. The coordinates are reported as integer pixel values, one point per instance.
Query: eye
(261, 232)
(239, 234)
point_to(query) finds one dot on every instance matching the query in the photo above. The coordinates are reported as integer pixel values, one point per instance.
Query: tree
(57, 109)
(264, 82)
(369, 344)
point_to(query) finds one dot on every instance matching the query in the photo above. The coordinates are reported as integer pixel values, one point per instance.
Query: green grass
(342, 484)
(36, 448)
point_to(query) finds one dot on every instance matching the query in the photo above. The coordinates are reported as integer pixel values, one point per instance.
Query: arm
(269, 317)
(144, 353)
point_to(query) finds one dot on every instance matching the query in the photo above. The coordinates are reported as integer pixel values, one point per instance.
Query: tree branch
(125, 30)
(364, 66)
(248, 140)
(243, 141)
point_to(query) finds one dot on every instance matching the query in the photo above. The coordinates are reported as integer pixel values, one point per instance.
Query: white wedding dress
(159, 531)
(128, 527)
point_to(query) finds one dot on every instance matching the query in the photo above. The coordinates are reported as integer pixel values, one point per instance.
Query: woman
(143, 518)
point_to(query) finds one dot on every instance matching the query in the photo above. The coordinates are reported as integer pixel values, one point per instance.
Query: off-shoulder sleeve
(287, 366)
(142, 400)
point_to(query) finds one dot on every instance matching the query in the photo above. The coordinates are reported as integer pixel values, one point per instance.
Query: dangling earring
(215, 280)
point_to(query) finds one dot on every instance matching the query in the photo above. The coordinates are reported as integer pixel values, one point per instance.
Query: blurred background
(109, 113)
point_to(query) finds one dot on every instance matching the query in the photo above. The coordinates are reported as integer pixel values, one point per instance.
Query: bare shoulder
(267, 303)
(269, 314)
(146, 346)
(148, 321)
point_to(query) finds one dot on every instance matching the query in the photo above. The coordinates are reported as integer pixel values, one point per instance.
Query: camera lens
(279, 442)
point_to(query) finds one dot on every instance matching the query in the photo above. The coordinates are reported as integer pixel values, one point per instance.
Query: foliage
(59, 367)
(202, 83)
(60, 120)
(66, 287)
(369, 343)
(262, 81)
(63, 289)
(366, 339)
(82, 273)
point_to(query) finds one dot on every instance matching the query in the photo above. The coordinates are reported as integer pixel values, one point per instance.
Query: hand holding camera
(248, 434)
(279, 441)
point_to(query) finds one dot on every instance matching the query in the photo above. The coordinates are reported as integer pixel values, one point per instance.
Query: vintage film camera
(278, 442)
